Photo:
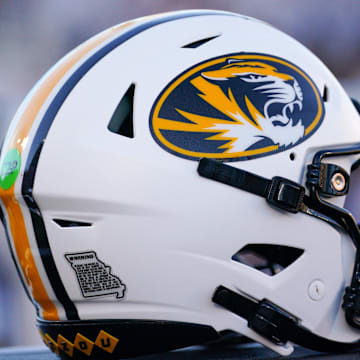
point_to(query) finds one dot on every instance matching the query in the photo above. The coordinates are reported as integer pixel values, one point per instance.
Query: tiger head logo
(279, 94)
(240, 108)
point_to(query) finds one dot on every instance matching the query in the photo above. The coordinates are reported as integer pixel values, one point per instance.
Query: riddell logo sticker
(237, 107)
(95, 277)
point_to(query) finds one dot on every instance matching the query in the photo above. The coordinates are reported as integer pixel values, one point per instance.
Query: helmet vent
(121, 122)
(269, 259)
(197, 43)
(71, 223)
(356, 104)
(325, 94)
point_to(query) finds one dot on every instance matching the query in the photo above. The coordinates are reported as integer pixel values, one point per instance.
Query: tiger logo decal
(236, 107)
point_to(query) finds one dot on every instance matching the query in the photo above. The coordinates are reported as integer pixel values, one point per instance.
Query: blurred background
(36, 34)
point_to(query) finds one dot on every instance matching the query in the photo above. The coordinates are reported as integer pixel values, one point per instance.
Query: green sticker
(9, 168)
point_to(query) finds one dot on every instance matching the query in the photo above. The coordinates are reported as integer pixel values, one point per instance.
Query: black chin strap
(280, 192)
(275, 324)
(287, 195)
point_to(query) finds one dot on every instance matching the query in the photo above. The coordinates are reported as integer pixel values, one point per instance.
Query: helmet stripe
(16, 223)
(36, 145)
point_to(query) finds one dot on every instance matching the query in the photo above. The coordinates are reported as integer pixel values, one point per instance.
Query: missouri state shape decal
(236, 107)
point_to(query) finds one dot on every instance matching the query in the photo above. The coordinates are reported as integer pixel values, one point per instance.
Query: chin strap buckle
(285, 194)
(273, 323)
(263, 317)
(280, 192)
(329, 179)
(270, 322)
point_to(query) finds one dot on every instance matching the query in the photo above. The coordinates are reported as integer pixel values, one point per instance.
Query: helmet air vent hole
(71, 223)
(269, 259)
(121, 122)
(197, 43)
(356, 104)
(292, 156)
(325, 94)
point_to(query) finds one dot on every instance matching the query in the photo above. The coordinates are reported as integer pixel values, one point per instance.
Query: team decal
(94, 276)
(236, 107)
(9, 168)
(103, 341)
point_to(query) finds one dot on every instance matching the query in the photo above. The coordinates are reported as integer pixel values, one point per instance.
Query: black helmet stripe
(41, 133)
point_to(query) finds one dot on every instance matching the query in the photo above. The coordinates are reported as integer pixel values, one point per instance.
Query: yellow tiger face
(273, 94)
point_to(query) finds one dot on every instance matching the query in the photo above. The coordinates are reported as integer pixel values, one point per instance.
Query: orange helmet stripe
(26, 116)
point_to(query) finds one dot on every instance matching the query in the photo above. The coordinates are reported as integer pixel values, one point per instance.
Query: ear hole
(269, 259)
(121, 122)
(292, 156)
(198, 43)
(71, 223)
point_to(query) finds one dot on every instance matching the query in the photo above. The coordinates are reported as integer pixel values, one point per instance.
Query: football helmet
(181, 175)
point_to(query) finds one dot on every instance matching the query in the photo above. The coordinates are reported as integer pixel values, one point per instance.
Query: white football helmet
(133, 186)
